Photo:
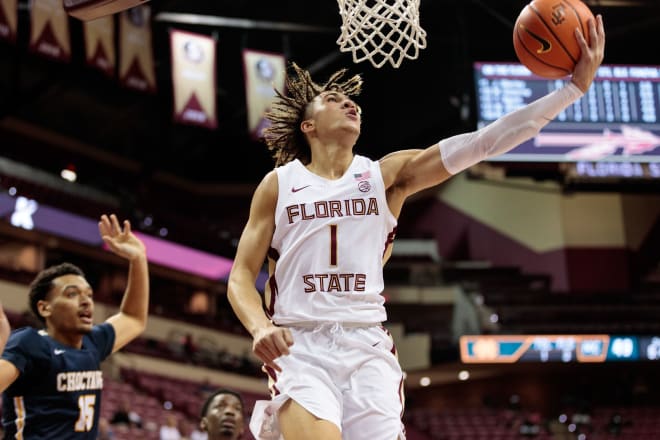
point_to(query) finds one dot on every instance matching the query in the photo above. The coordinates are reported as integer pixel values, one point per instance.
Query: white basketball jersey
(326, 257)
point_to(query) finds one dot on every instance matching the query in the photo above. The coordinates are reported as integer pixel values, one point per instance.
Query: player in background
(222, 416)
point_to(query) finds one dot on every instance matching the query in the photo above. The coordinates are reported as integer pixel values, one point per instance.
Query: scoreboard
(558, 348)
(618, 119)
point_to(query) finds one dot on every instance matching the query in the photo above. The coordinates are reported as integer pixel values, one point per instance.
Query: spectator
(170, 430)
(531, 425)
(198, 434)
(615, 424)
(105, 430)
(125, 415)
(189, 348)
(582, 419)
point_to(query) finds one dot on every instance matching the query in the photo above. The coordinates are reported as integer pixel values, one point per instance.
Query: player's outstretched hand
(121, 241)
(592, 54)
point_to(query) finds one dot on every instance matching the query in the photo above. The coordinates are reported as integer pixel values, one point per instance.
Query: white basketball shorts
(346, 374)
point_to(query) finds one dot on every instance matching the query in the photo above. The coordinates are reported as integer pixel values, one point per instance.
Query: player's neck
(65, 338)
(330, 163)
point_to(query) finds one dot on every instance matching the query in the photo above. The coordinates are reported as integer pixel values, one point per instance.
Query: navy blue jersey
(58, 392)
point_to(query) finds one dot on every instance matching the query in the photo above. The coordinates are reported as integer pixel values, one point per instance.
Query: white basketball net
(381, 30)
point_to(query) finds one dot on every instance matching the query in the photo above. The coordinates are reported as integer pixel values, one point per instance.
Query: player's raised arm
(405, 172)
(131, 320)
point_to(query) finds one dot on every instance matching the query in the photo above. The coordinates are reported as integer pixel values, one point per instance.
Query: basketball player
(51, 379)
(326, 218)
(222, 416)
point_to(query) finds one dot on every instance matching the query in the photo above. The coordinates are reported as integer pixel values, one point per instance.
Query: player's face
(334, 110)
(224, 418)
(69, 305)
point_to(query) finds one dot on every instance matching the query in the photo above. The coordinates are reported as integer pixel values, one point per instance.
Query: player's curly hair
(283, 137)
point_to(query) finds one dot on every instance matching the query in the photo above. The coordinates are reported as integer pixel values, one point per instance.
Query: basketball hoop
(381, 30)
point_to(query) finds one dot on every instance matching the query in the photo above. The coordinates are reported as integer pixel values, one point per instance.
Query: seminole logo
(546, 46)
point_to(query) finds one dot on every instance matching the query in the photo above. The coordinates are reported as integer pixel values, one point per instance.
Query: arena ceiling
(52, 115)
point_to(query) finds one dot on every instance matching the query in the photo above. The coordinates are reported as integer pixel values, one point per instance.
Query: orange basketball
(544, 36)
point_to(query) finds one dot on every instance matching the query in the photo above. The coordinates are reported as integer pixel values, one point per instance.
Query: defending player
(51, 379)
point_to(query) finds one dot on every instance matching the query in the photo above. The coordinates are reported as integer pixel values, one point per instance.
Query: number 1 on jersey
(333, 245)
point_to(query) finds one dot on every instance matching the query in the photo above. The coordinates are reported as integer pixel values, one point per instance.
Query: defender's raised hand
(121, 242)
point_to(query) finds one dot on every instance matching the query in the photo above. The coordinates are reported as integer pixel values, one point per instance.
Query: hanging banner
(99, 37)
(193, 78)
(136, 61)
(264, 72)
(49, 30)
(8, 19)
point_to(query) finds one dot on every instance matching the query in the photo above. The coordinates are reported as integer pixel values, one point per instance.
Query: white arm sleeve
(464, 150)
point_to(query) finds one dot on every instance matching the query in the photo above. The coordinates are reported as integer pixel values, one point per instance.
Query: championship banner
(99, 37)
(193, 78)
(264, 72)
(49, 30)
(136, 61)
(8, 19)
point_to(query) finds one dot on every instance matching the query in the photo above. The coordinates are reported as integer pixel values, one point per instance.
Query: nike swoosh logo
(295, 190)
(545, 44)
(58, 352)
